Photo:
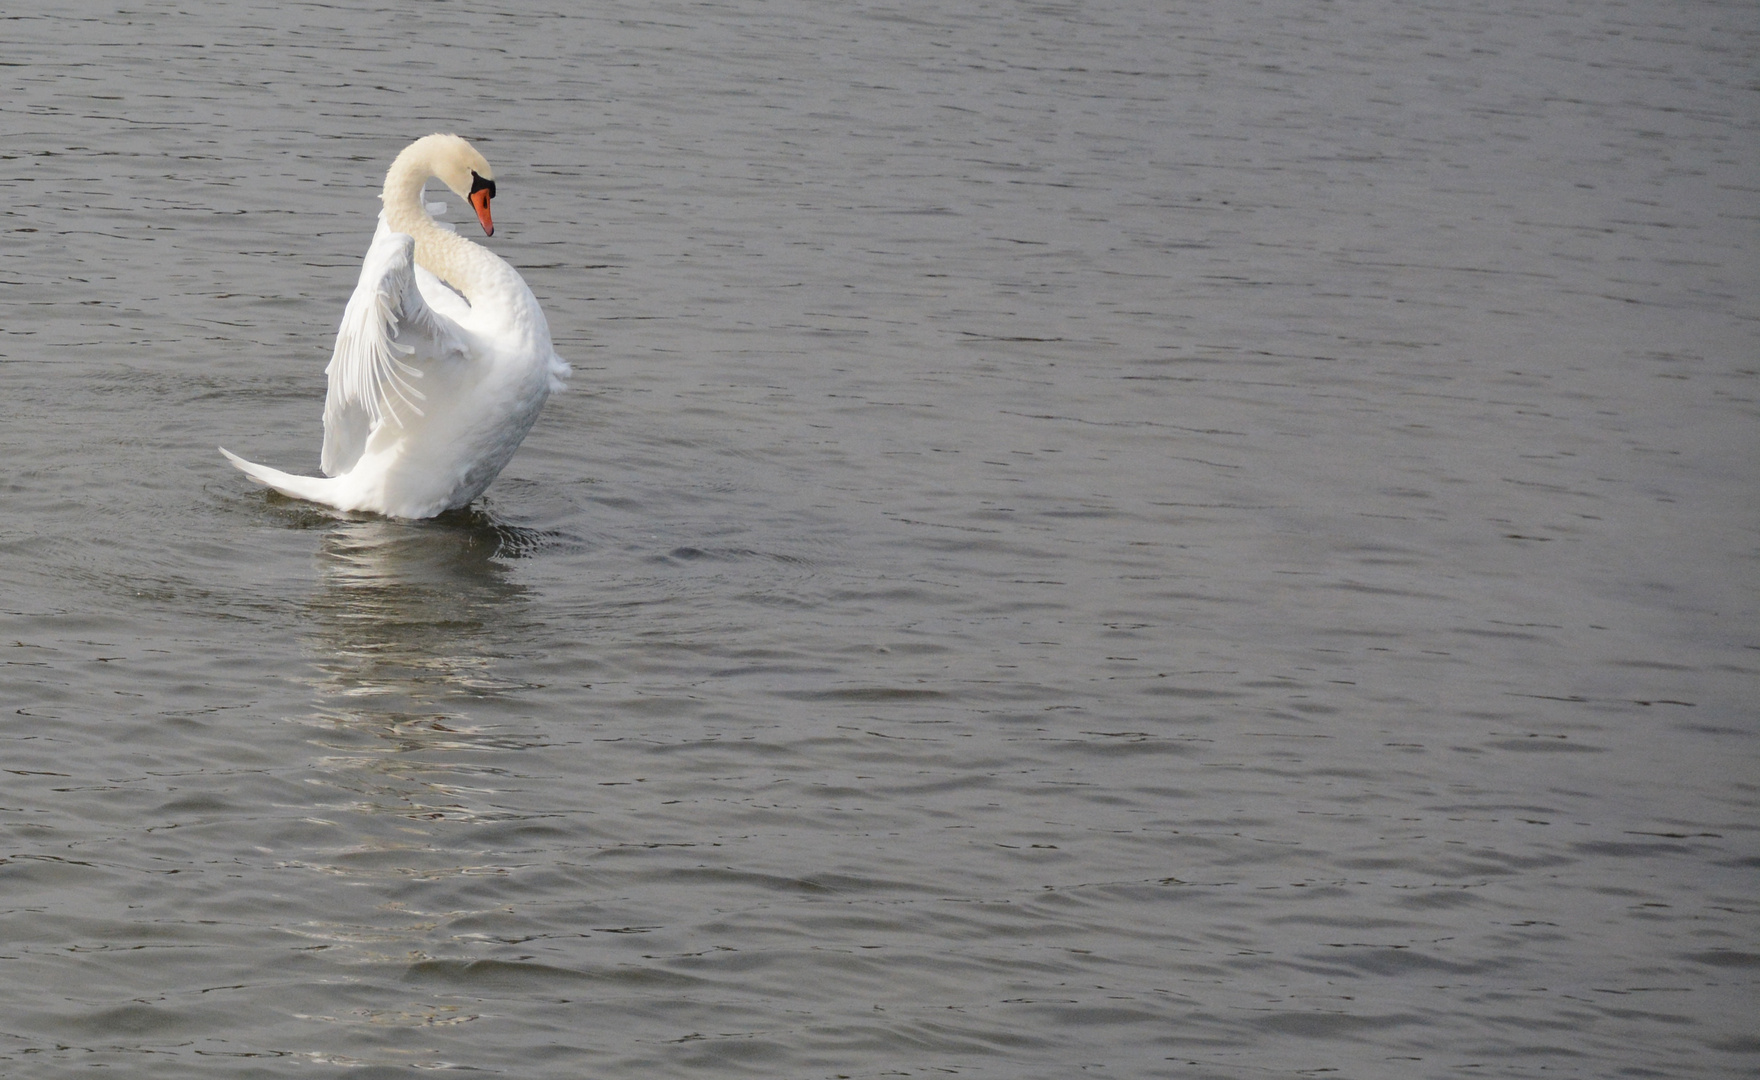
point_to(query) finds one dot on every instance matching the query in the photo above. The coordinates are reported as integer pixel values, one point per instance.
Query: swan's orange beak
(480, 203)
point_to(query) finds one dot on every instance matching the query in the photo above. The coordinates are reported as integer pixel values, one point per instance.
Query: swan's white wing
(441, 298)
(389, 334)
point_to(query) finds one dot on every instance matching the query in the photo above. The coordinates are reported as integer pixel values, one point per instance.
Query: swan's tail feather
(558, 373)
(318, 489)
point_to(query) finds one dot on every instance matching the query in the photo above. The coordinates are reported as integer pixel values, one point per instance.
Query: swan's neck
(470, 268)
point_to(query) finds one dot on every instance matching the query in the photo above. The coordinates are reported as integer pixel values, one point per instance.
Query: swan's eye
(480, 184)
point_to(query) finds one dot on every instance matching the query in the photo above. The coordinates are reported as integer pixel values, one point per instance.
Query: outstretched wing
(389, 335)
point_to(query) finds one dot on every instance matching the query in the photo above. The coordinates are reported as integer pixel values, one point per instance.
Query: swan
(442, 362)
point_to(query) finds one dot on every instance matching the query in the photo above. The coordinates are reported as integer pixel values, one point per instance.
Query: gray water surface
(1116, 538)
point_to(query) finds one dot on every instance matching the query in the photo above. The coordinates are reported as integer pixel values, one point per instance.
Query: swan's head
(457, 164)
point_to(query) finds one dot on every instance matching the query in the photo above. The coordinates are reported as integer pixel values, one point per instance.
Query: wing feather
(389, 334)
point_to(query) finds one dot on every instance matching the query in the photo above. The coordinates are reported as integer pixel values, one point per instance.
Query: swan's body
(442, 361)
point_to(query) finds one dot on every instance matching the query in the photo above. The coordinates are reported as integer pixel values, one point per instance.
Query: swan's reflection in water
(417, 613)
(417, 631)
(422, 737)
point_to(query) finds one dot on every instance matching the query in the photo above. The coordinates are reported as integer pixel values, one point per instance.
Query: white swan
(442, 361)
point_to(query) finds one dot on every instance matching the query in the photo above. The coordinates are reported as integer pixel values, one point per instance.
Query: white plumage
(442, 362)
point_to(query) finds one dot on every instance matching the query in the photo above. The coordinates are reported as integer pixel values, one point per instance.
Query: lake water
(1116, 539)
